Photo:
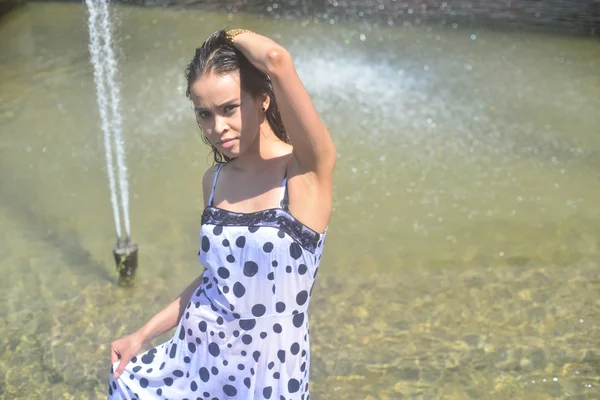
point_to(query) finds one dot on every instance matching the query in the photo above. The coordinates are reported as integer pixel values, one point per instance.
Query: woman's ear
(265, 101)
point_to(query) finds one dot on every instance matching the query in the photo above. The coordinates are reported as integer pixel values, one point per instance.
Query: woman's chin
(230, 153)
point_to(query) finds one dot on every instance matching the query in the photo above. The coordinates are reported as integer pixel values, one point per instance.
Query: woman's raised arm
(313, 146)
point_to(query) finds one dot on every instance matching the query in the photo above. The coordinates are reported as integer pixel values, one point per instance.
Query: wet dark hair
(218, 56)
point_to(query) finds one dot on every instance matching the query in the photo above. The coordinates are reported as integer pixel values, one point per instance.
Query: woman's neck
(261, 154)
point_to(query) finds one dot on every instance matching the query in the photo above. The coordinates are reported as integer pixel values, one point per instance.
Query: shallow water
(462, 255)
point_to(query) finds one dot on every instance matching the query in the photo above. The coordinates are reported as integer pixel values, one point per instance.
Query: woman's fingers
(122, 363)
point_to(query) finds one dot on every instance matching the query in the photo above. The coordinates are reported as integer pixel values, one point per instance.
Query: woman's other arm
(126, 348)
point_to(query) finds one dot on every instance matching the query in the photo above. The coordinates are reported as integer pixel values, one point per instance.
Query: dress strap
(212, 192)
(284, 201)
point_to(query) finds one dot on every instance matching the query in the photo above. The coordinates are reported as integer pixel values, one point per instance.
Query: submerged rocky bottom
(484, 333)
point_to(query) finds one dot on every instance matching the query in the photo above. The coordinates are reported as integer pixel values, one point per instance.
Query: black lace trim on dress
(274, 217)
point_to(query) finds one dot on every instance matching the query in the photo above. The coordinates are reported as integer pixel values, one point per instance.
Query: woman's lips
(227, 143)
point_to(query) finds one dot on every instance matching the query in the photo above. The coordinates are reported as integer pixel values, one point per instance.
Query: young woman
(242, 326)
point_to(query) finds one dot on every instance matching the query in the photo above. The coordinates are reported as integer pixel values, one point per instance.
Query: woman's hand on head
(123, 350)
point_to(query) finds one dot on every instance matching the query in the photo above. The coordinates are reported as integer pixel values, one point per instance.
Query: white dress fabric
(244, 333)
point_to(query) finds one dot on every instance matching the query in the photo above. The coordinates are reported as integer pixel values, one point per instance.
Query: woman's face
(229, 117)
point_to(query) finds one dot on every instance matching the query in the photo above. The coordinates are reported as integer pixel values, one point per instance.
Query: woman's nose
(221, 125)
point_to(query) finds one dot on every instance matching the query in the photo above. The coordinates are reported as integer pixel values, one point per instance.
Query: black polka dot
(271, 365)
(220, 320)
(144, 382)
(302, 269)
(271, 276)
(149, 356)
(217, 230)
(276, 375)
(277, 328)
(239, 289)
(241, 367)
(168, 381)
(240, 242)
(178, 373)
(247, 382)
(247, 339)
(256, 355)
(295, 348)
(253, 229)
(263, 335)
(293, 385)
(192, 347)
(193, 386)
(267, 391)
(288, 269)
(274, 263)
(268, 247)
(223, 272)
(214, 370)
(159, 392)
(247, 324)
(229, 390)
(236, 333)
(301, 297)
(258, 310)
(230, 258)
(173, 350)
(281, 355)
(222, 335)
(298, 320)
(280, 306)
(136, 369)
(273, 289)
(213, 349)
(202, 326)
(205, 244)
(295, 251)
(281, 234)
(250, 269)
(225, 289)
(231, 378)
(225, 242)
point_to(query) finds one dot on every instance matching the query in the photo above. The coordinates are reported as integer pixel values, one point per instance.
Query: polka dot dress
(244, 333)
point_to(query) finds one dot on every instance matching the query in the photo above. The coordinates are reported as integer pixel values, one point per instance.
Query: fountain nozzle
(126, 259)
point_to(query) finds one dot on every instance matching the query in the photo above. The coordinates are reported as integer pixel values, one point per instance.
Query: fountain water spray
(108, 97)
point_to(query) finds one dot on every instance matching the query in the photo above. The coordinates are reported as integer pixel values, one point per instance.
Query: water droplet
(362, 37)
(473, 36)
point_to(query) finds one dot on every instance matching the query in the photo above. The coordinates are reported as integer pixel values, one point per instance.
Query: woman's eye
(202, 114)
(230, 108)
